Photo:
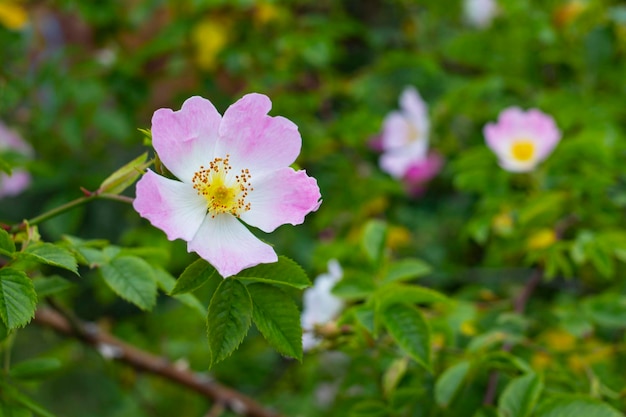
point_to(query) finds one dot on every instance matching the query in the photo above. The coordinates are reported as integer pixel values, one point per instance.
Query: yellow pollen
(223, 192)
(523, 150)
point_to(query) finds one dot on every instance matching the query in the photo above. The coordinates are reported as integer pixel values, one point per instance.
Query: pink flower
(405, 134)
(230, 169)
(421, 172)
(19, 180)
(521, 140)
(319, 305)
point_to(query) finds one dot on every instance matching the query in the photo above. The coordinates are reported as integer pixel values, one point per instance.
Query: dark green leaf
(520, 396)
(411, 294)
(406, 269)
(449, 382)
(35, 368)
(193, 277)
(50, 254)
(369, 408)
(570, 406)
(283, 272)
(407, 326)
(132, 279)
(354, 285)
(373, 240)
(18, 299)
(6, 243)
(166, 282)
(229, 318)
(365, 316)
(277, 318)
(51, 285)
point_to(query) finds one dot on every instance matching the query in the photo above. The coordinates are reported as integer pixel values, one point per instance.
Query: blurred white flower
(479, 13)
(319, 304)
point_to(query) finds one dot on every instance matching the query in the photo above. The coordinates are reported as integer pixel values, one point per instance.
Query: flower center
(523, 150)
(223, 193)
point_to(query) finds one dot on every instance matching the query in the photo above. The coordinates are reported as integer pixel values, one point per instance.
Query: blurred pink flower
(19, 180)
(405, 134)
(479, 13)
(521, 140)
(229, 168)
(319, 305)
(421, 172)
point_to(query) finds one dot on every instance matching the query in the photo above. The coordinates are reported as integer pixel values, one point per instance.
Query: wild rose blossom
(421, 172)
(404, 139)
(479, 13)
(521, 140)
(319, 305)
(230, 169)
(19, 180)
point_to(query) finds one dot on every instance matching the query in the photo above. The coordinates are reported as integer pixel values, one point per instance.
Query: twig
(118, 350)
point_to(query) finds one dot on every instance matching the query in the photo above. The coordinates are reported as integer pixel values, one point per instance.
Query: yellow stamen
(523, 150)
(223, 193)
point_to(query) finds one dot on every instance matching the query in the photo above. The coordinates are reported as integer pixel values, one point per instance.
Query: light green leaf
(393, 375)
(409, 329)
(229, 318)
(193, 277)
(283, 272)
(132, 279)
(50, 254)
(406, 269)
(520, 396)
(125, 176)
(51, 285)
(373, 239)
(18, 299)
(166, 283)
(7, 246)
(277, 318)
(449, 382)
(37, 368)
(569, 406)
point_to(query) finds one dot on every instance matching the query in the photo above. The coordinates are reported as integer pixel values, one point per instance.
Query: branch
(92, 335)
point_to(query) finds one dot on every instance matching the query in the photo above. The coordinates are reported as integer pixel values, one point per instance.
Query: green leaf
(449, 382)
(393, 375)
(193, 277)
(50, 254)
(5, 167)
(9, 391)
(373, 240)
(37, 368)
(364, 314)
(125, 176)
(369, 408)
(406, 269)
(277, 318)
(229, 318)
(132, 279)
(18, 299)
(569, 406)
(283, 272)
(396, 293)
(520, 396)
(166, 283)
(409, 329)
(354, 285)
(7, 245)
(54, 284)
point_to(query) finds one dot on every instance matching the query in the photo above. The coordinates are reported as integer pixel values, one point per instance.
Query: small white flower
(479, 13)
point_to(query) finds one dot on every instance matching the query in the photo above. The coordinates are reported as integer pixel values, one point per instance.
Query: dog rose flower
(230, 169)
(521, 140)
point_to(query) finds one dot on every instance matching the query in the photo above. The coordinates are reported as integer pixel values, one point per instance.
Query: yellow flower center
(223, 193)
(523, 150)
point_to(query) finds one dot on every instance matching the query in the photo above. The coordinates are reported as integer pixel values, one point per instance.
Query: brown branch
(118, 350)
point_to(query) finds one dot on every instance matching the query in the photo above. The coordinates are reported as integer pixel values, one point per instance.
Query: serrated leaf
(47, 286)
(373, 240)
(277, 318)
(6, 243)
(132, 279)
(283, 272)
(125, 176)
(406, 269)
(449, 382)
(18, 299)
(569, 406)
(35, 368)
(166, 283)
(193, 277)
(520, 396)
(229, 318)
(409, 329)
(50, 254)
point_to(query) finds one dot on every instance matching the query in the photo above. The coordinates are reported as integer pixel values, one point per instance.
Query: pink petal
(14, 184)
(172, 206)
(396, 131)
(397, 162)
(283, 196)
(185, 139)
(545, 131)
(415, 109)
(424, 170)
(227, 245)
(255, 140)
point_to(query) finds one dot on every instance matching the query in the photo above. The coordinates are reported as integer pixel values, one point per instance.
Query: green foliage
(132, 279)
(193, 277)
(284, 272)
(17, 298)
(408, 327)
(520, 396)
(125, 176)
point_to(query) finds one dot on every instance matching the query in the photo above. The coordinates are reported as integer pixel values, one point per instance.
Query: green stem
(68, 206)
